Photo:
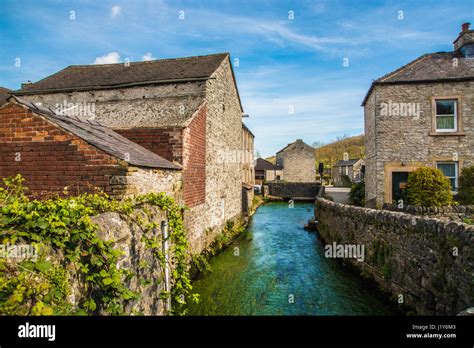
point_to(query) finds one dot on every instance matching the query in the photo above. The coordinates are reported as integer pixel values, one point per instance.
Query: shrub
(346, 181)
(429, 187)
(466, 186)
(357, 194)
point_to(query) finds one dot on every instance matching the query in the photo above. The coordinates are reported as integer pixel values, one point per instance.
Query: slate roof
(432, 67)
(102, 76)
(5, 93)
(263, 164)
(350, 162)
(102, 138)
(298, 141)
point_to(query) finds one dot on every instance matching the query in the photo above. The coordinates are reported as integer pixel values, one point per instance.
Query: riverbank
(275, 267)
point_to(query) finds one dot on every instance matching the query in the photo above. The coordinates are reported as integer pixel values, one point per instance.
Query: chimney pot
(465, 26)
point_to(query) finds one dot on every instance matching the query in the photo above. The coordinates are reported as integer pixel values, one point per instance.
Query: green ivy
(62, 225)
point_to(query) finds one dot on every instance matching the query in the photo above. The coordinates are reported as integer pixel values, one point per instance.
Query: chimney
(464, 43)
(23, 85)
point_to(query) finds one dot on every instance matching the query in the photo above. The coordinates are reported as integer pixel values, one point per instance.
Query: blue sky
(285, 63)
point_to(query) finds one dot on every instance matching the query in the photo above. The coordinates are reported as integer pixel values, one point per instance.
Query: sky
(302, 67)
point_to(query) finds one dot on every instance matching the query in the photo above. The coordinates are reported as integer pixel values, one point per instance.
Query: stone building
(4, 95)
(420, 115)
(352, 168)
(57, 153)
(267, 171)
(186, 110)
(298, 162)
(248, 174)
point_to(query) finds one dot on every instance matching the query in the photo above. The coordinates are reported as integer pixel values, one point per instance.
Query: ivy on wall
(61, 229)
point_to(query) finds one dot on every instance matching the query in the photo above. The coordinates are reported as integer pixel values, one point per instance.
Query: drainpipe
(167, 284)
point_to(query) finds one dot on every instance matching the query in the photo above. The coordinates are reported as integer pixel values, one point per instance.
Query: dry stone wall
(428, 261)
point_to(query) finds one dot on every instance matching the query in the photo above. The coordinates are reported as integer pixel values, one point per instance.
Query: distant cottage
(352, 169)
(420, 115)
(267, 171)
(187, 111)
(298, 162)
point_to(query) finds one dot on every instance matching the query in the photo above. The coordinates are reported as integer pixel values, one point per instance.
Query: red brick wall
(194, 158)
(49, 158)
(166, 142)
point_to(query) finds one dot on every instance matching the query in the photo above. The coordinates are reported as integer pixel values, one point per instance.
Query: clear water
(278, 262)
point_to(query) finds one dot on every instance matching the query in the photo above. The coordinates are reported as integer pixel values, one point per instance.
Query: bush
(346, 181)
(357, 194)
(428, 187)
(466, 186)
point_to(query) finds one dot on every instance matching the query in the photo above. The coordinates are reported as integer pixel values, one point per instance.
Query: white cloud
(110, 58)
(115, 11)
(148, 56)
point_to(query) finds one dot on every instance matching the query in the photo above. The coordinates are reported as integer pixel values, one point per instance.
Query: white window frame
(455, 116)
(456, 172)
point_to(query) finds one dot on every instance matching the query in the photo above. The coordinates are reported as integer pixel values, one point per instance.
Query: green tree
(429, 187)
(466, 186)
(357, 194)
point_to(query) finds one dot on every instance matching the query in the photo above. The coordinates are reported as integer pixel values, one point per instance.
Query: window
(446, 115)
(450, 170)
(347, 170)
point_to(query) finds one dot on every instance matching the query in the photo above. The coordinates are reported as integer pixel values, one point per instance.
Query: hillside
(330, 153)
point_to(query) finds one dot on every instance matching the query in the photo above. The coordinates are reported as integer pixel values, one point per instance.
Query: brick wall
(194, 160)
(49, 158)
(166, 142)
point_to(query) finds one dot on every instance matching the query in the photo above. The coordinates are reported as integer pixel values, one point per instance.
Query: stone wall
(289, 190)
(137, 258)
(136, 181)
(224, 142)
(428, 261)
(448, 213)
(156, 106)
(409, 141)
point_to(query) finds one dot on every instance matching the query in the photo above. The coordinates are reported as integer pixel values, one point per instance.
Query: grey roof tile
(99, 76)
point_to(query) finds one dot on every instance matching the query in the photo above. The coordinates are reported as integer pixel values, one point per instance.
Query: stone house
(186, 110)
(298, 162)
(352, 168)
(420, 115)
(57, 153)
(248, 175)
(267, 171)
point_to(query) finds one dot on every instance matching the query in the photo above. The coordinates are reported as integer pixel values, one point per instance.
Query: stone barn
(57, 153)
(186, 110)
(298, 162)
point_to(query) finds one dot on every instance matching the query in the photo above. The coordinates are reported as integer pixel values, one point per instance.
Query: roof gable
(432, 67)
(299, 142)
(102, 138)
(101, 76)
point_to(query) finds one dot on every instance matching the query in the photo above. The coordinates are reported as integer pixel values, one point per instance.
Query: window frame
(458, 130)
(456, 172)
(455, 116)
